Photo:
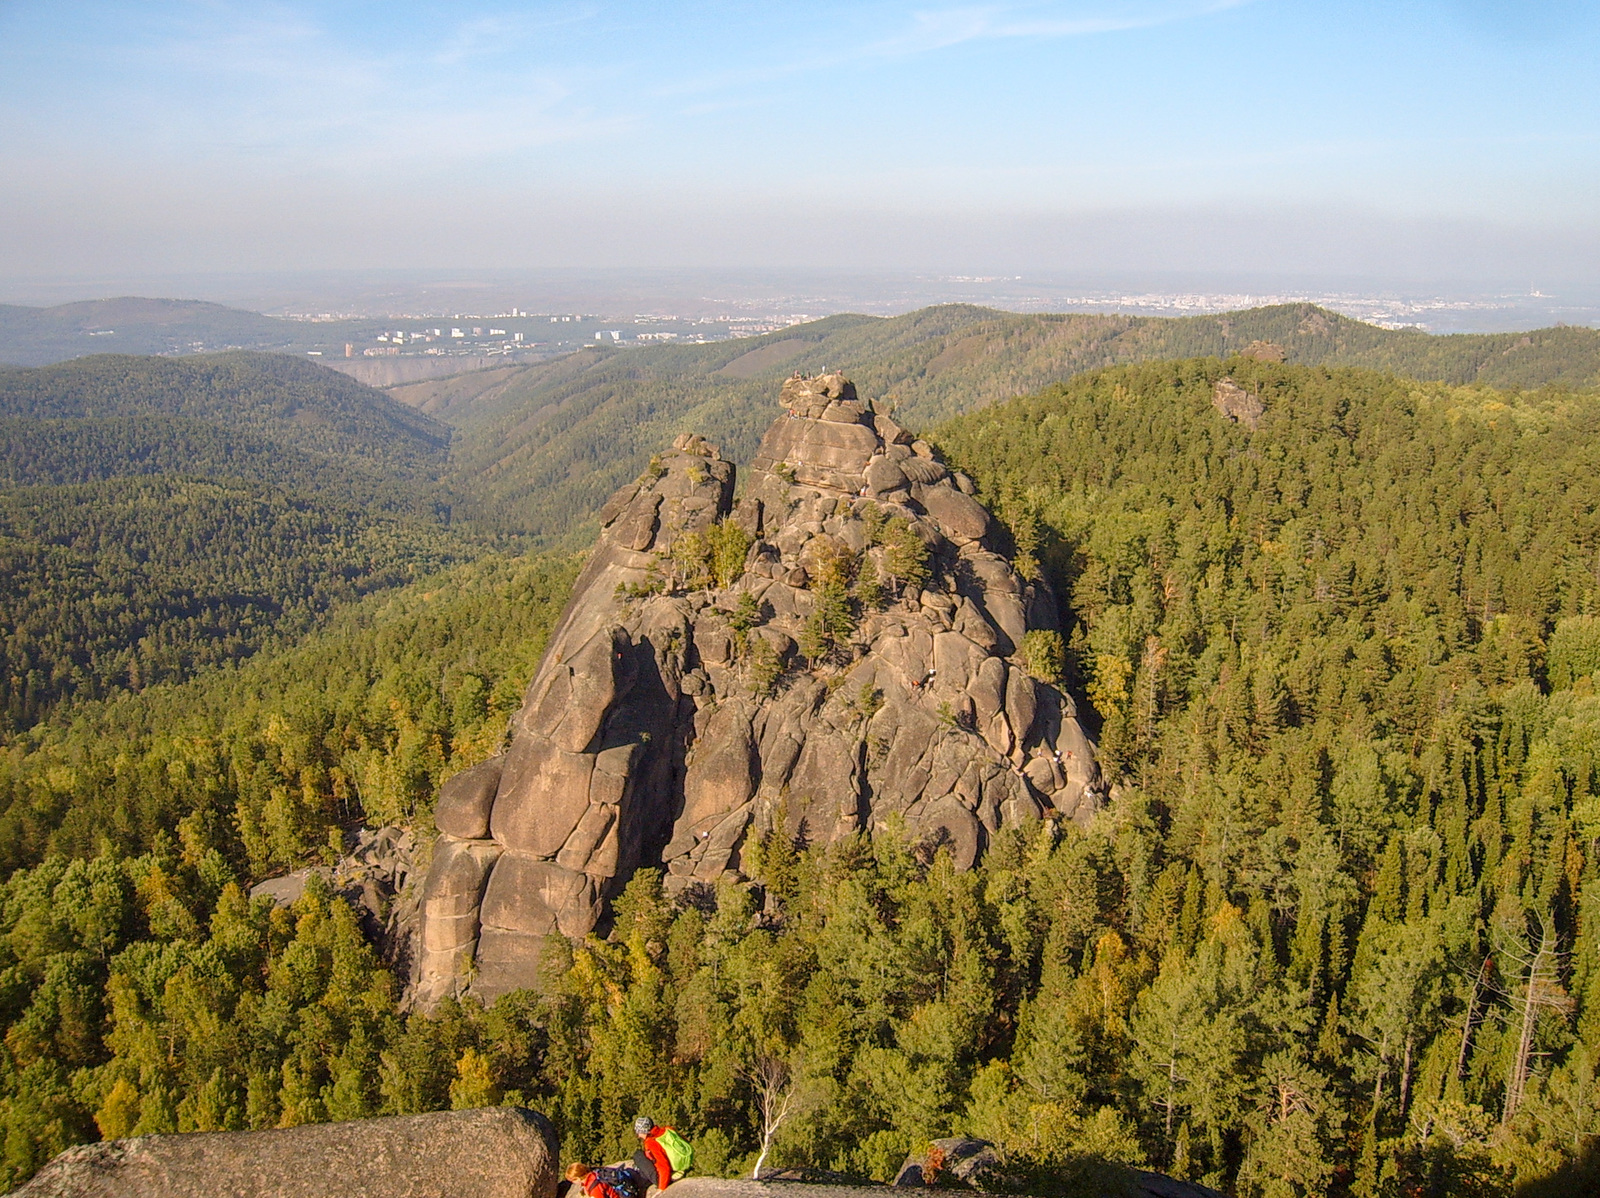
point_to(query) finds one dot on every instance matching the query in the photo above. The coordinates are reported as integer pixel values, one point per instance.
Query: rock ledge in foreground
(497, 1152)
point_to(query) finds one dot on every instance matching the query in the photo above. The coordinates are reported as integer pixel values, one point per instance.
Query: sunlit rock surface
(654, 735)
(499, 1152)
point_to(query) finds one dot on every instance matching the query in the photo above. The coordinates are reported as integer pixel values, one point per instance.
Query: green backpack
(679, 1154)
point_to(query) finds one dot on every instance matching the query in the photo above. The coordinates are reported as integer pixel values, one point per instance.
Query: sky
(1447, 139)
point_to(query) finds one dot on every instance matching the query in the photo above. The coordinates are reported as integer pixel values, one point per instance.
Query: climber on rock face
(664, 1156)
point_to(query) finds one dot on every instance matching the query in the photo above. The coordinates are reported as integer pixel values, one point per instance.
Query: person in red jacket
(651, 1159)
(608, 1181)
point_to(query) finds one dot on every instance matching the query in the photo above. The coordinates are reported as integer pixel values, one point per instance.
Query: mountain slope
(542, 446)
(134, 325)
(293, 402)
(131, 832)
(1345, 652)
(157, 516)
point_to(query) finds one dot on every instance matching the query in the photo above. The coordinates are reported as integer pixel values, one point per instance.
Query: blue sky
(1443, 135)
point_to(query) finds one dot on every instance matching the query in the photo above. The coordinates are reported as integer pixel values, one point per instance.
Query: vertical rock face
(842, 650)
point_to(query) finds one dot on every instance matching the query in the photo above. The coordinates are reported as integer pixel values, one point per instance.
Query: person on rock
(663, 1155)
(606, 1181)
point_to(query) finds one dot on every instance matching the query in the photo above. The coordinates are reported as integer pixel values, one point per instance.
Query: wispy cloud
(938, 29)
(923, 31)
(277, 83)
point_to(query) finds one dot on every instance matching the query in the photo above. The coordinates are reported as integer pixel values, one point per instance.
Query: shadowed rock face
(493, 1153)
(649, 735)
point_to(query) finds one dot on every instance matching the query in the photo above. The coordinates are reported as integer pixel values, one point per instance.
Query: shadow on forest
(1581, 1176)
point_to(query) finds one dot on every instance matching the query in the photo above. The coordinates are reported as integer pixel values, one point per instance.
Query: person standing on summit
(664, 1156)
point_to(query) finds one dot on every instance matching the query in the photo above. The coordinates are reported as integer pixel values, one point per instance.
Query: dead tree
(773, 1083)
(1541, 991)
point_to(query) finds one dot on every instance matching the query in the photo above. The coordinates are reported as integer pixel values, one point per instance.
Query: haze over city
(285, 154)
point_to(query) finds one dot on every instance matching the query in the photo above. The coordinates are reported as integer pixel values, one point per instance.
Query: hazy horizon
(788, 296)
(1448, 143)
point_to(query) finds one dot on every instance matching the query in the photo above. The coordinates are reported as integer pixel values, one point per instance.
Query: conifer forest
(1336, 929)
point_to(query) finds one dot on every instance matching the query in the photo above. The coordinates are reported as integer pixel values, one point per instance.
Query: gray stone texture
(466, 798)
(500, 1152)
(645, 740)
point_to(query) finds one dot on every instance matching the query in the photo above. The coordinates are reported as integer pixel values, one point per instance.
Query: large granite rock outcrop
(499, 1152)
(654, 732)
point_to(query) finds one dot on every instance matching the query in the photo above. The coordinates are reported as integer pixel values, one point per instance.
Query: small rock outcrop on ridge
(1237, 404)
(497, 1152)
(845, 648)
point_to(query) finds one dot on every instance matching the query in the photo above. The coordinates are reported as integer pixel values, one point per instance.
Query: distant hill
(134, 325)
(541, 446)
(159, 515)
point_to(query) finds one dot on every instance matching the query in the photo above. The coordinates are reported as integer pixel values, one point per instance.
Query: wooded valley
(1336, 931)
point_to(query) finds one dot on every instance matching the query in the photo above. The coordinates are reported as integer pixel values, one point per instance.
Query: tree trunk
(1377, 1085)
(1405, 1079)
(1517, 1077)
(1466, 1028)
(1172, 1086)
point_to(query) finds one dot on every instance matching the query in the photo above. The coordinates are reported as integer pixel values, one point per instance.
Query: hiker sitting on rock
(663, 1155)
(607, 1181)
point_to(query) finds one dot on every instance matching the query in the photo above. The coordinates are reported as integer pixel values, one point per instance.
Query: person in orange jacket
(651, 1159)
(663, 1154)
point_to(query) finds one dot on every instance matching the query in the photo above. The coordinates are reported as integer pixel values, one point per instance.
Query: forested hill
(130, 832)
(159, 515)
(290, 401)
(135, 325)
(1347, 662)
(550, 441)
(1337, 931)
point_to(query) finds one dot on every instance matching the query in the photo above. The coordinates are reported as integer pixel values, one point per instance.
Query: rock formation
(970, 1161)
(499, 1152)
(844, 650)
(1237, 404)
(376, 879)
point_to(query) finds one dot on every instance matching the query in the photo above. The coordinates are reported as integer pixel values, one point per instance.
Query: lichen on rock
(860, 667)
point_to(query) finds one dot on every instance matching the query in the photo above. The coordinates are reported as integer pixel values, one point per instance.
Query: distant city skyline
(746, 301)
(1420, 142)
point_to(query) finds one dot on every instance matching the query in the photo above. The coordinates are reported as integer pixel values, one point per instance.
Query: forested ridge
(158, 516)
(1346, 664)
(131, 830)
(1337, 931)
(543, 445)
(32, 336)
(295, 402)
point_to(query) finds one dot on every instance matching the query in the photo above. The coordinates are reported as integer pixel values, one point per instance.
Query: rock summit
(846, 649)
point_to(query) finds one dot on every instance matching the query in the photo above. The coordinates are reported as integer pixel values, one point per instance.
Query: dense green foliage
(139, 988)
(119, 584)
(1337, 931)
(157, 516)
(1346, 666)
(272, 756)
(293, 402)
(542, 446)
